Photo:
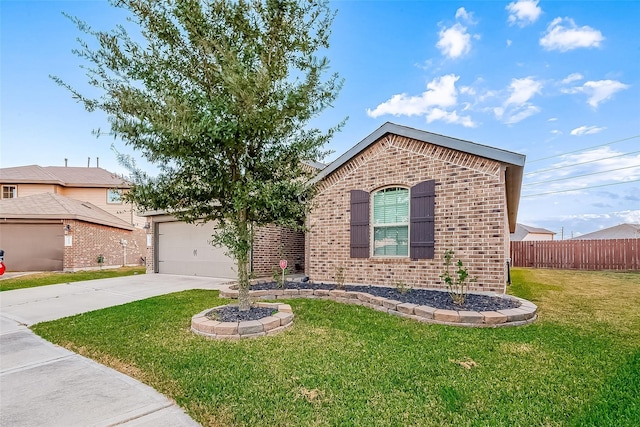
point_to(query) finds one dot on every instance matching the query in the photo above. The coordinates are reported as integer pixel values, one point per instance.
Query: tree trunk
(244, 301)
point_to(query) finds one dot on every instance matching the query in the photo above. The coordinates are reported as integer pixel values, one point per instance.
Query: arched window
(391, 222)
(396, 221)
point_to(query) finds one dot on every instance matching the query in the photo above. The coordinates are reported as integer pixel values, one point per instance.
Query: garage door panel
(186, 249)
(32, 247)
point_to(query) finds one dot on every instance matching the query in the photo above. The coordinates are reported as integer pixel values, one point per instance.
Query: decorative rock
(285, 318)
(446, 315)
(524, 314)
(424, 311)
(406, 308)
(470, 317)
(250, 327)
(270, 322)
(493, 318)
(390, 304)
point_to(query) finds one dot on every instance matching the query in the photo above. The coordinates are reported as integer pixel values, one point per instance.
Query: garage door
(32, 247)
(185, 249)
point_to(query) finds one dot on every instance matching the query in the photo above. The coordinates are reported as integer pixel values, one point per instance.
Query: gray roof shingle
(65, 176)
(54, 206)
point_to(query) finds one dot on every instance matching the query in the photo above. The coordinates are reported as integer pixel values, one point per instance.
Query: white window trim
(15, 191)
(119, 190)
(373, 226)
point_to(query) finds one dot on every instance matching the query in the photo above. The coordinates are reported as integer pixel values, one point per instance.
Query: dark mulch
(431, 298)
(231, 313)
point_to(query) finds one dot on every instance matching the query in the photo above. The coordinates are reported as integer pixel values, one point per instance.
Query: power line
(579, 189)
(584, 149)
(581, 163)
(579, 176)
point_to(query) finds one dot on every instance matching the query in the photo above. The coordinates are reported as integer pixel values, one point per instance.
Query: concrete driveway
(44, 384)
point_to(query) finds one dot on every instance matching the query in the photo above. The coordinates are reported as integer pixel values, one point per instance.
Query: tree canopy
(219, 94)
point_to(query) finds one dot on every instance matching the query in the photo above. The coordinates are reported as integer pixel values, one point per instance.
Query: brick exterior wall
(273, 243)
(470, 215)
(90, 240)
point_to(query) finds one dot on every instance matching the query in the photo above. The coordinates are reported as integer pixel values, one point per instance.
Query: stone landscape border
(522, 315)
(270, 325)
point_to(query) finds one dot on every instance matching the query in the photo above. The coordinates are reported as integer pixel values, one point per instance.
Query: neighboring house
(388, 209)
(620, 231)
(50, 232)
(528, 233)
(63, 218)
(94, 185)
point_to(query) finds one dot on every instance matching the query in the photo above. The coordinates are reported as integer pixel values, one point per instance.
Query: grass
(53, 278)
(579, 364)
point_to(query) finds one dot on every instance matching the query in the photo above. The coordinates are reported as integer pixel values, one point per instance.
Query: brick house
(388, 209)
(63, 218)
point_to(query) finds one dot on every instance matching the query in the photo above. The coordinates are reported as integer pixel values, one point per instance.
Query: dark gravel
(431, 298)
(230, 313)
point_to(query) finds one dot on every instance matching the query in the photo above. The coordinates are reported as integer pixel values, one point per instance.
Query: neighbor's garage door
(185, 249)
(32, 247)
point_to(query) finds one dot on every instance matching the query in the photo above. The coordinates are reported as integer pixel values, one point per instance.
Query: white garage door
(185, 249)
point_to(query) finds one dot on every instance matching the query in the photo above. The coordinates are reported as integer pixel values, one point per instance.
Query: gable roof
(54, 206)
(514, 162)
(64, 176)
(523, 230)
(620, 231)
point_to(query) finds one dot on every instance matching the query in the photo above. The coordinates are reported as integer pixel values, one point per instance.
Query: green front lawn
(578, 364)
(54, 278)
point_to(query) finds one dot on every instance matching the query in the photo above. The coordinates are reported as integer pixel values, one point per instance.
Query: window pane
(391, 241)
(391, 206)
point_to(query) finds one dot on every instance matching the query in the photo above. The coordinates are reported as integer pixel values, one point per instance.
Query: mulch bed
(231, 313)
(436, 299)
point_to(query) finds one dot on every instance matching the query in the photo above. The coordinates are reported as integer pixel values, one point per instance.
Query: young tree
(219, 94)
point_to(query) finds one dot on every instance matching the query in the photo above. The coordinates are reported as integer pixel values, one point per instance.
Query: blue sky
(558, 81)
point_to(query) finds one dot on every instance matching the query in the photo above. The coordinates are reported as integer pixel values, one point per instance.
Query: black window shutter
(359, 224)
(422, 220)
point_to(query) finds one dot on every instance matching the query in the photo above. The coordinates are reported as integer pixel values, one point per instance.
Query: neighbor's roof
(620, 231)
(54, 206)
(513, 161)
(523, 230)
(60, 175)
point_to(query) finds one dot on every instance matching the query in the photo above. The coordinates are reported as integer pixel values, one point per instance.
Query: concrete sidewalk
(44, 384)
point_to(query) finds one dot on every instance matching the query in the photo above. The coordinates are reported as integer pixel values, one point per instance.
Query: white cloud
(463, 15)
(509, 42)
(602, 90)
(450, 117)
(556, 132)
(587, 130)
(519, 114)
(436, 103)
(523, 12)
(563, 34)
(454, 41)
(598, 91)
(517, 106)
(522, 90)
(441, 92)
(572, 78)
(552, 119)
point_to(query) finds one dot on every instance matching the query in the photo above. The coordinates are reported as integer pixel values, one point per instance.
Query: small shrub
(403, 288)
(277, 276)
(100, 260)
(456, 284)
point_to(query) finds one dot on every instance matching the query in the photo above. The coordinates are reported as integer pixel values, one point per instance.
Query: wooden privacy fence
(618, 254)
